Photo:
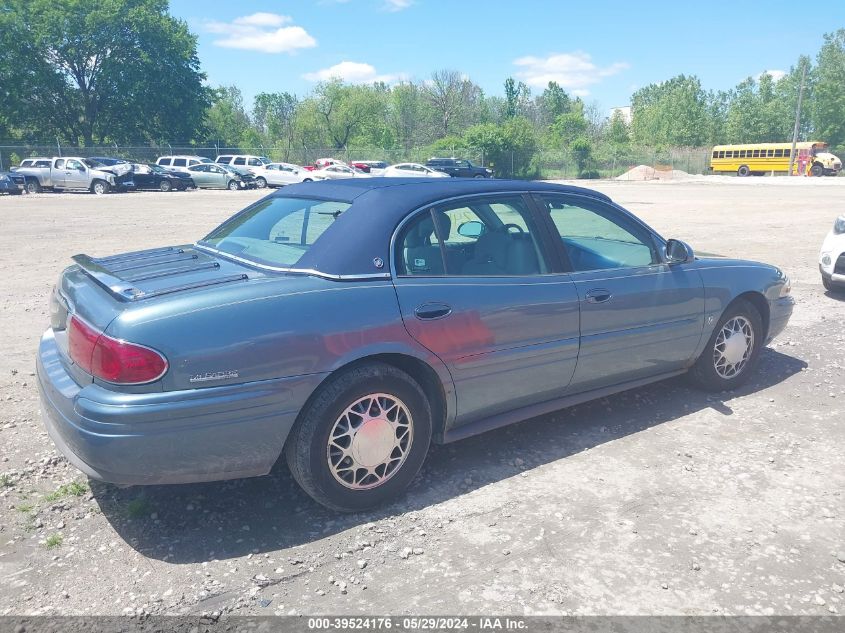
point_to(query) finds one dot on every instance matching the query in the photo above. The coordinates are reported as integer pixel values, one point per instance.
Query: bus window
(756, 153)
(787, 152)
(770, 153)
(721, 154)
(715, 154)
(778, 153)
(742, 153)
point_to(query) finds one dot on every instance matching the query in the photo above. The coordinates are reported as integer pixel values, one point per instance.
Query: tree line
(126, 71)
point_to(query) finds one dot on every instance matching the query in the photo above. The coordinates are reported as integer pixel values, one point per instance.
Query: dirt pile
(644, 172)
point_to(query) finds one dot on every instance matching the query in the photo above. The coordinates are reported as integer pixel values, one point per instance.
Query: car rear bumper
(184, 436)
(780, 311)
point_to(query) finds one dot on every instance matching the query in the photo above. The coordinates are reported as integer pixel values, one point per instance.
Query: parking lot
(663, 500)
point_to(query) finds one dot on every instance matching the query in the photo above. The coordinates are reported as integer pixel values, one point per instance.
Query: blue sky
(602, 51)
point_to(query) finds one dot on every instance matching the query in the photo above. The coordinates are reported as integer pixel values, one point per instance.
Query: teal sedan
(211, 176)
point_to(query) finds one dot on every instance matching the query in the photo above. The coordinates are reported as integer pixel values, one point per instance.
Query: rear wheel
(817, 170)
(307, 180)
(233, 185)
(362, 439)
(478, 176)
(33, 186)
(743, 171)
(261, 182)
(732, 351)
(100, 187)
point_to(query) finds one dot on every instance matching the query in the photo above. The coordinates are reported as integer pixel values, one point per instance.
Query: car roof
(361, 235)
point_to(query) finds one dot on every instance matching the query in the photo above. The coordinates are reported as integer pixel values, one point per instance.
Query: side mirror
(471, 229)
(678, 252)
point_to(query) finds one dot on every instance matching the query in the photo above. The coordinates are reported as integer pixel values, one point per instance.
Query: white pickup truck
(72, 172)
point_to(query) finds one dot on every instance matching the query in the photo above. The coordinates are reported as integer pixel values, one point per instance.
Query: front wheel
(362, 439)
(732, 351)
(261, 182)
(33, 186)
(233, 185)
(817, 170)
(100, 187)
(165, 186)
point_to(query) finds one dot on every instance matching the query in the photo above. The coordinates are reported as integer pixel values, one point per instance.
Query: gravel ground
(663, 500)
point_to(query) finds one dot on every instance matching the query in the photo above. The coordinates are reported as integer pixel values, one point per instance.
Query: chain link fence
(605, 162)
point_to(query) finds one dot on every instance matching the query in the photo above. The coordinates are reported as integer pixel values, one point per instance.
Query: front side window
(179, 162)
(73, 164)
(276, 231)
(239, 161)
(597, 237)
(480, 237)
(60, 164)
(163, 161)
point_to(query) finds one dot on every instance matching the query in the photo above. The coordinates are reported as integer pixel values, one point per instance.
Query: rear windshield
(276, 231)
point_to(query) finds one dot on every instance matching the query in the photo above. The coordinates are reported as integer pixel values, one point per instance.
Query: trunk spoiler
(118, 274)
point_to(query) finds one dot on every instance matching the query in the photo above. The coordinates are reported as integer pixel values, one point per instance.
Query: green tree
(569, 126)
(273, 115)
(828, 101)
(509, 148)
(102, 71)
(673, 112)
(345, 110)
(553, 102)
(582, 150)
(617, 132)
(226, 120)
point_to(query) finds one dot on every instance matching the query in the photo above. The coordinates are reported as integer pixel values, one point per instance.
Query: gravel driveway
(663, 500)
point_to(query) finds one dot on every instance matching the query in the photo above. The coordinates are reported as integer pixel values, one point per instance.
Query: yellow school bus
(758, 159)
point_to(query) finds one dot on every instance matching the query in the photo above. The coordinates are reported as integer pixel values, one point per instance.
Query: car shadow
(220, 520)
(836, 295)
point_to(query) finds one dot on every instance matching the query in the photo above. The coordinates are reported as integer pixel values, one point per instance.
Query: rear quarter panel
(270, 328)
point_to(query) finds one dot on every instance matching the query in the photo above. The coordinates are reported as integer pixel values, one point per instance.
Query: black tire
(827, 284)
(99, 187)
(165, 186)
(704, 374)
(33, 186)
(743, 171)
(479, 176)
(261, 182)
(233, 185)
(306, 449)
(816, 170)
(307, 180)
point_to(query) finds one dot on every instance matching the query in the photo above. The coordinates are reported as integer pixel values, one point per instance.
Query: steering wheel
(509, 226)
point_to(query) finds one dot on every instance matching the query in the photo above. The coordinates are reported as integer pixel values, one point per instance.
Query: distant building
(626, 113)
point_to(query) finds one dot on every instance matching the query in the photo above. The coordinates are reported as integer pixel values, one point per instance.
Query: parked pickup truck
(77, 173)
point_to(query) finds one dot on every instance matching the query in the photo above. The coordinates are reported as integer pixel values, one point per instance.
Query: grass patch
(138, 507)
(26, 508)
(73, 489)
(6, 481)
(54, 541)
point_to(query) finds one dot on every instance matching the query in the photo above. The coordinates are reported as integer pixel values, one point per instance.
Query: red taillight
(110, 359)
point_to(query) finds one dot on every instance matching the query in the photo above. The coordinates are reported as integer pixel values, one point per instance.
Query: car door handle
(598, 295)
(429, 311)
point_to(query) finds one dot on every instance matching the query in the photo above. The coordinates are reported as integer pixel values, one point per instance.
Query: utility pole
(797, 118)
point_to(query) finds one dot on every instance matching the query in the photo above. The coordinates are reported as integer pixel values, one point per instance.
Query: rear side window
(179, 162)
(224, 160)
(276, 231)
(254, 162)
(239, 161)
(163, 161)
(483, 237)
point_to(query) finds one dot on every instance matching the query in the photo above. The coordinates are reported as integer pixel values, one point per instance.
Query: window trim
(541, 237)
(655, 242)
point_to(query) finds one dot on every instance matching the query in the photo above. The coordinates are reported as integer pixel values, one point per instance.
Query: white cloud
(263, 32)
(353, 73)
(777, 75)
(397, 5)
(572, 71)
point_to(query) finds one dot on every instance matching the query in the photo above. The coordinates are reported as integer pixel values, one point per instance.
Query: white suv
(245, 161)
(181, 162)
